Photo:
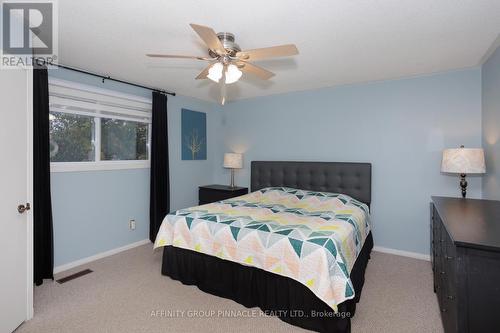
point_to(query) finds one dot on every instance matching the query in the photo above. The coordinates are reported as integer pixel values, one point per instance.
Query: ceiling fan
(227, 61)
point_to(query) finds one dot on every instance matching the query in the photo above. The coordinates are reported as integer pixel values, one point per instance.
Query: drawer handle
(450, 297)
(443, 310)
(441, 240)
(448, 257)
(442, 272)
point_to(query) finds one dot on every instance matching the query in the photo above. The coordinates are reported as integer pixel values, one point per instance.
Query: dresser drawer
(449, 314)
(450, 259)
(444, 254)
(450, 295)
(437, 254)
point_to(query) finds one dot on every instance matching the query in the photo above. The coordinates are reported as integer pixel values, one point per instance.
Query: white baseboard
(104, 254)
(414, 255)
(108, 253)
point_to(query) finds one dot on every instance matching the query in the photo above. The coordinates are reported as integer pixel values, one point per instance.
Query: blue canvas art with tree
(194, 135)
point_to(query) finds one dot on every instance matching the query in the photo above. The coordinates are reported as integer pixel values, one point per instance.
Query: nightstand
(213, 193)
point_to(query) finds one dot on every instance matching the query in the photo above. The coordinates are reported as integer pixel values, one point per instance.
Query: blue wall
(92, 208)
(491, 125)
(400, 126)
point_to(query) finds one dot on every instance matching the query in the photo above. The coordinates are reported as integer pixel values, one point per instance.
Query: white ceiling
(340, 42)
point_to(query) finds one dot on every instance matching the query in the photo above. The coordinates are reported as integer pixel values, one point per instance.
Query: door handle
(22, 208)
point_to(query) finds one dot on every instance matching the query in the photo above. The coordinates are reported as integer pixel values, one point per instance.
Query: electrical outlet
(131, 224)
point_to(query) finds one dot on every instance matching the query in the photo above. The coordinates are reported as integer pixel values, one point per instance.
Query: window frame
(78, 90)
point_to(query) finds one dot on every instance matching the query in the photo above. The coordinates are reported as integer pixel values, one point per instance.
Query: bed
(296, 247)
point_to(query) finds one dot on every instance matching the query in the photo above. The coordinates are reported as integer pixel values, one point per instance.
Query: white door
(16, 284)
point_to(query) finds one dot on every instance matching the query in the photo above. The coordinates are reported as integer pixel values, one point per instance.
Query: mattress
(311, 237)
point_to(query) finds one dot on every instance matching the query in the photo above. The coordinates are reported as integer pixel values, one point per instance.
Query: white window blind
(85, 100)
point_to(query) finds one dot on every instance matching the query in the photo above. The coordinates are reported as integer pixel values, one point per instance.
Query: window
(97, 129)
(123, 140)
(71, 137)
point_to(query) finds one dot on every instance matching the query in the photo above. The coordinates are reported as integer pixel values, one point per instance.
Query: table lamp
(463, 161)
(233, 161)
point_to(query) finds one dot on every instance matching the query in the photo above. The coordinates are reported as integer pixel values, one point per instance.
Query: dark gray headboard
(353, 179)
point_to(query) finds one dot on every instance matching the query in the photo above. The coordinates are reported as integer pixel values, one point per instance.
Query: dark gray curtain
(43, 245)
(160, 184)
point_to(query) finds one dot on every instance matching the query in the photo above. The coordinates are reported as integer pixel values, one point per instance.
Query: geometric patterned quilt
(311, 237)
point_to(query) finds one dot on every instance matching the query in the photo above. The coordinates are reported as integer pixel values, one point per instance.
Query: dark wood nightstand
(213, 193)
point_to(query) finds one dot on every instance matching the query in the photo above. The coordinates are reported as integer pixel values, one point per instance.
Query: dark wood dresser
(213, 193)
(465, 241)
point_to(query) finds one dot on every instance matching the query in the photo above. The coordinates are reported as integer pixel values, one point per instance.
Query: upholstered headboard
(353, 179)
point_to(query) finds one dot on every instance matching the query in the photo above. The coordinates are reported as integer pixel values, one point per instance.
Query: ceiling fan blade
(178, 56)
(262, 73)
(210, 38)
(204, 73)
(268, 52)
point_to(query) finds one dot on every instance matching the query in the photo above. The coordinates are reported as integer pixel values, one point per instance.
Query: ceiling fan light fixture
(233, 74)
(226, 60)
(215, 72)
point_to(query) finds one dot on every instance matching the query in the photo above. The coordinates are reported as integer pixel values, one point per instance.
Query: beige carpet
(125, 291)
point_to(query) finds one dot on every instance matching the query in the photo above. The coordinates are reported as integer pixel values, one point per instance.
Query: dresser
(465, 245)
(213, 193)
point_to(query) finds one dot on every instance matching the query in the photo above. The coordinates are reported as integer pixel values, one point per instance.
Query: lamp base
(463, 185)
(232, 185)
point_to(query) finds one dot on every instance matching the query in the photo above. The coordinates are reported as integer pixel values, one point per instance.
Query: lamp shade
(463, 160)
(233, 161)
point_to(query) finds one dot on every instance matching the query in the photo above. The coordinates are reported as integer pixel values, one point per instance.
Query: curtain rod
(104, 77)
